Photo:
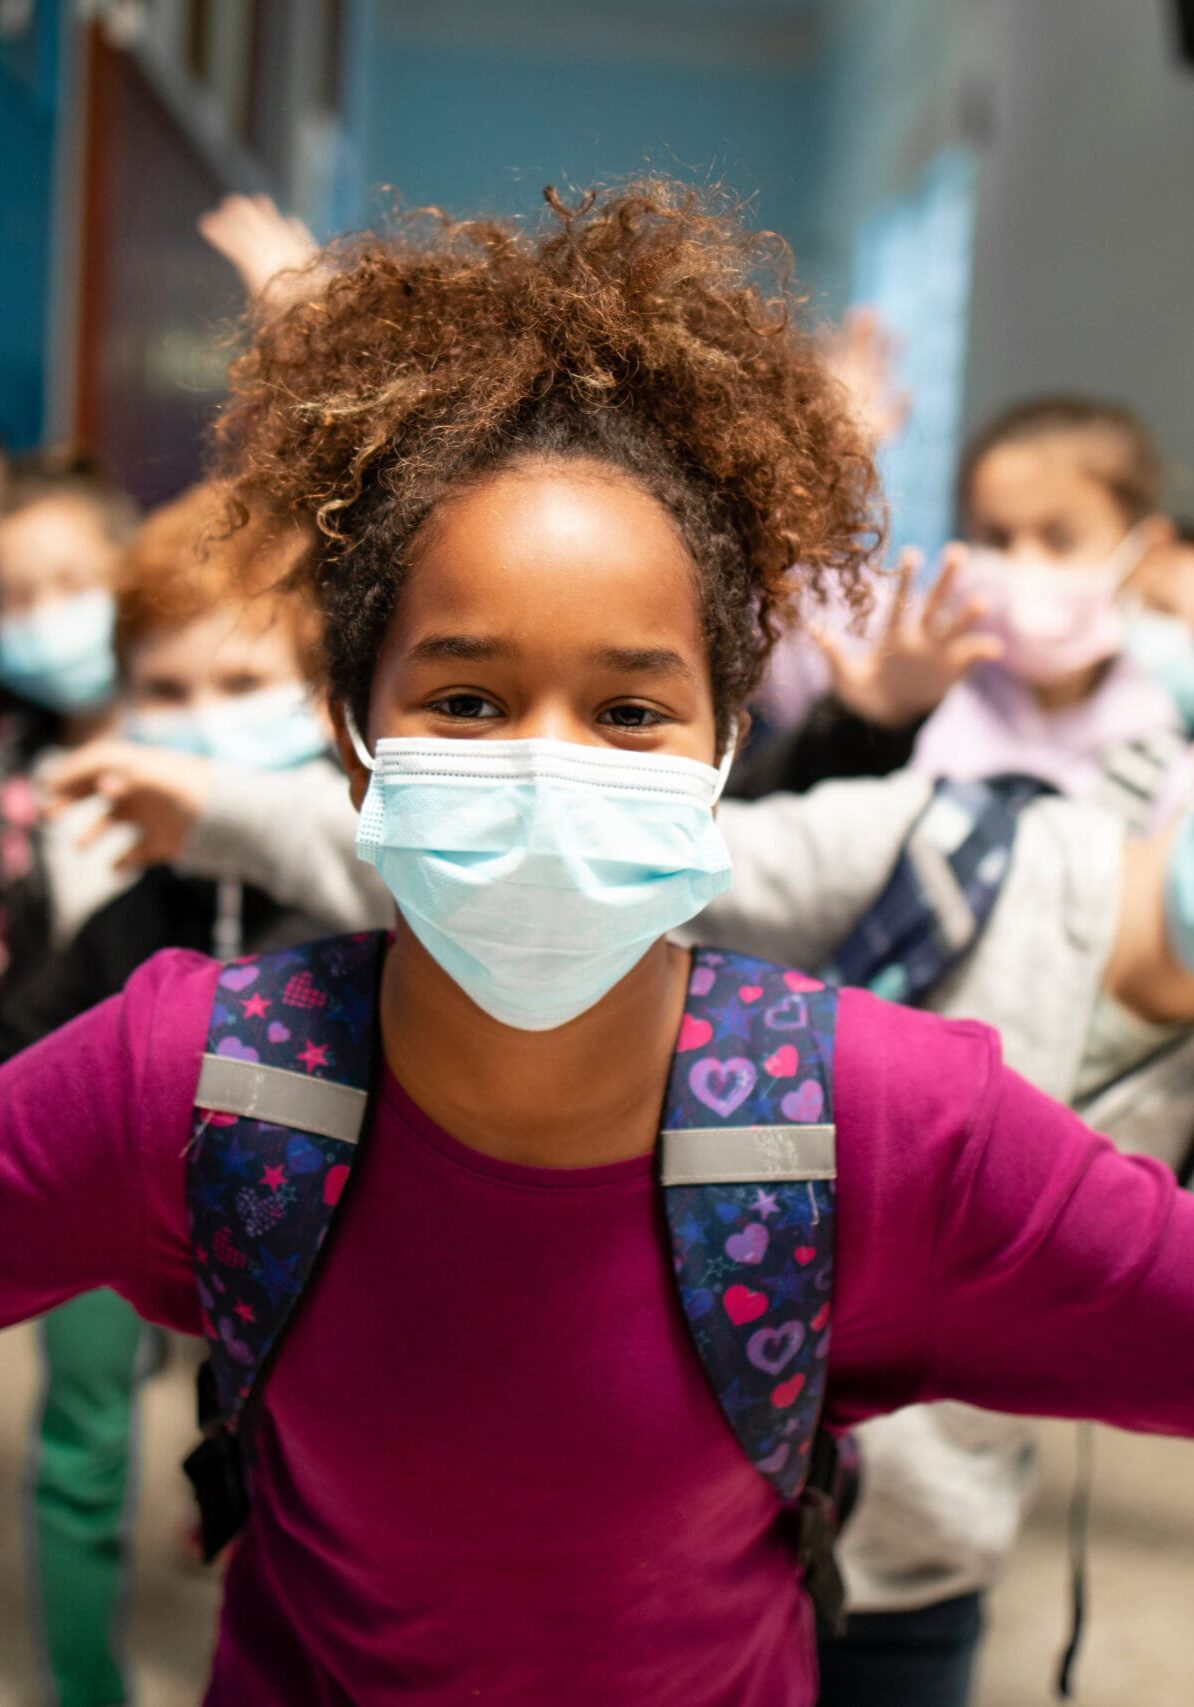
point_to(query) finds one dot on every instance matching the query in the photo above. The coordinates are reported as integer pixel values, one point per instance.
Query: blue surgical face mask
(1164, 646)
(59, 655)
(272, 730)
(538, 873)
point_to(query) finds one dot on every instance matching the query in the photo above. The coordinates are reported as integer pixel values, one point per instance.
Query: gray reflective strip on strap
(954, 915)
(717, 1155)
(229, 1086)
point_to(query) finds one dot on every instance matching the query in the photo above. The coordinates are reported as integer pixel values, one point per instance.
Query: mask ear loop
(358, 741)
(727, 762)
(1134, 548)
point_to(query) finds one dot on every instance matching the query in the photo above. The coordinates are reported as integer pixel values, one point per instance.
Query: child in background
(62, 527)
(213, 665)
(1059, 499)
(561, 480)
(1037, 650)
(1161, 625)
(1164, 583)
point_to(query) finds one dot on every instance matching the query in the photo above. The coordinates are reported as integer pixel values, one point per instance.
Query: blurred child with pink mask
(1059, 499)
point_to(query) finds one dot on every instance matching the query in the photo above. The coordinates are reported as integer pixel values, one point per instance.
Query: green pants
(81, 1485)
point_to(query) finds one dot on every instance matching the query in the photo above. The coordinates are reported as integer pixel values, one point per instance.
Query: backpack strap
(748, 1164)
(279, 1111)
(1136, 772)
(942, 890)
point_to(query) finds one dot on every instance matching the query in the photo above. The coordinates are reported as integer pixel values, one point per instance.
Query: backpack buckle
(215, 1472)
(816, 1532)
(825, 1503)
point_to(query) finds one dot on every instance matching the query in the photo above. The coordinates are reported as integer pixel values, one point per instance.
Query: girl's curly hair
(645, 327)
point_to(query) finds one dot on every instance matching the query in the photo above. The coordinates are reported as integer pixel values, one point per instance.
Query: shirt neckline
(527, 1175)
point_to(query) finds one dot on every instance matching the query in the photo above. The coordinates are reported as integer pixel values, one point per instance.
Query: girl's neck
(1072, 690)
(584, 1094)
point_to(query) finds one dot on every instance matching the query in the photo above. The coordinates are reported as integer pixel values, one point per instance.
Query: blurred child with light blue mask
(62, 527)
(1160, 628)
(61, 530)
(213, 661)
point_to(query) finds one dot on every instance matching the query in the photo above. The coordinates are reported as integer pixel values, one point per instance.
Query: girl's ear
(357, 773)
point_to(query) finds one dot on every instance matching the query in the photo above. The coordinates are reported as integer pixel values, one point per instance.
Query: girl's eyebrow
(467, 646)
(644, 660)
(627, 660)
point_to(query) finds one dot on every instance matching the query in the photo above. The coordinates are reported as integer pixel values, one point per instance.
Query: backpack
(746, 1170)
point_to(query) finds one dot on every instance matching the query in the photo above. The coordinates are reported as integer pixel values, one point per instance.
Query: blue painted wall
(483, 130)
(1081, 120)
(28, 116)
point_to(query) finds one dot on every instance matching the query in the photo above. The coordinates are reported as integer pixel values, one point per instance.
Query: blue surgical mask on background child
(1164, 646)
(59, 655)
(274, 729)
(538, 873)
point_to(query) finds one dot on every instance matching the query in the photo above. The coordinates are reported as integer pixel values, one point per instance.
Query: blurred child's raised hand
(926, 646)
(863, 355)
(259, 239)
(160, 793)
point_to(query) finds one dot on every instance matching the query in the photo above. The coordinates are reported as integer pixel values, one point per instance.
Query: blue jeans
(904, 1659)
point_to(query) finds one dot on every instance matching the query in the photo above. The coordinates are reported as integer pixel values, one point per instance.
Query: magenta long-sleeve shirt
(490, 1466)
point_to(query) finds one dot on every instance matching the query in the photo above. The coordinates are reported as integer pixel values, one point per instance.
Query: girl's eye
(472, 707)
(1060, 541)
(993, 538)
(631, 717)
(163, 692)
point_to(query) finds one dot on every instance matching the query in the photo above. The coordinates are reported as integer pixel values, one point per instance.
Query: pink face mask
(1053, 620)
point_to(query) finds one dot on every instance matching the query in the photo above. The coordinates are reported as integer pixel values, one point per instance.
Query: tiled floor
(1139, 1650)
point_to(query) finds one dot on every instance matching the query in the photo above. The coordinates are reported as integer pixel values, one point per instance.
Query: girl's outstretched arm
(991, 1247)
(94, 1127)
(1063, 1282)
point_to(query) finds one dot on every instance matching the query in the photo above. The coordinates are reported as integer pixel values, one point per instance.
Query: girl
(559, 482)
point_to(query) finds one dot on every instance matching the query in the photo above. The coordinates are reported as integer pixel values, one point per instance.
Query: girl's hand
(260, 241)
(162, 794)
(927, 645)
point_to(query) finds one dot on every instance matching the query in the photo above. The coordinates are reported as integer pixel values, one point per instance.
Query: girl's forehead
(555, 552)
(242, 633)
(65, 520)
(1038, 475)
